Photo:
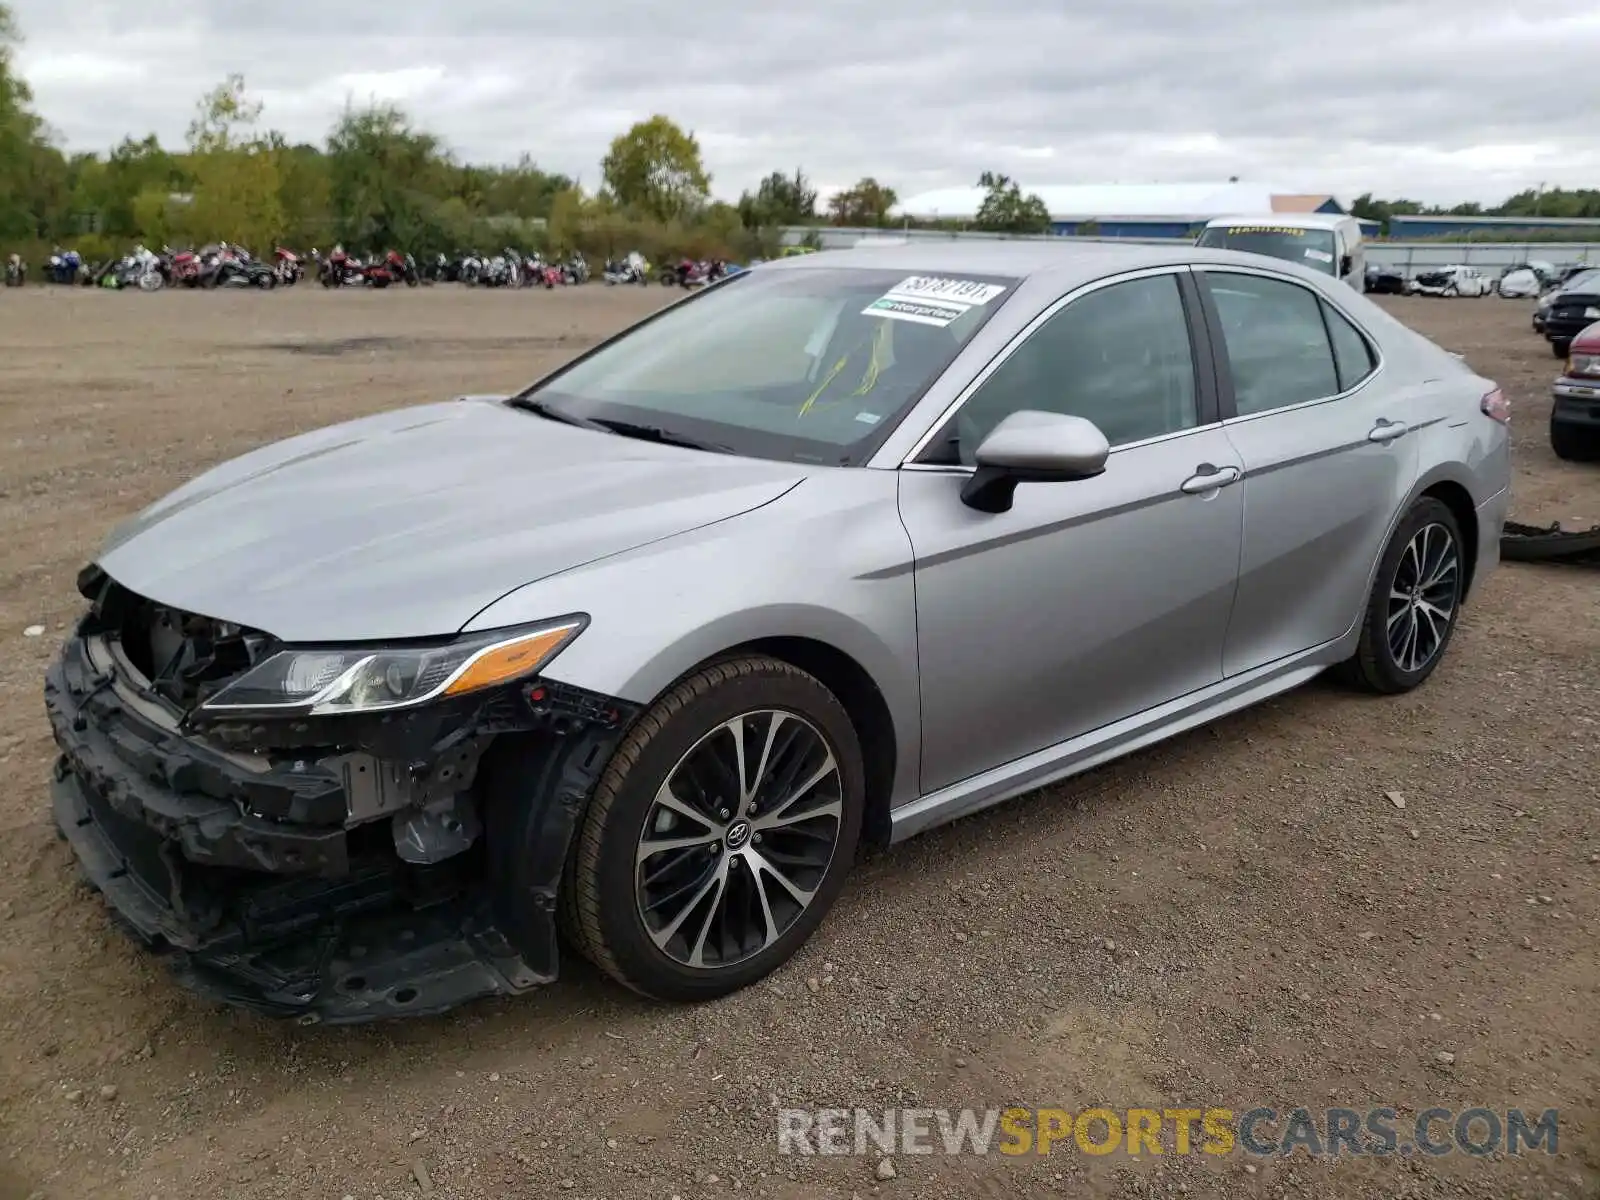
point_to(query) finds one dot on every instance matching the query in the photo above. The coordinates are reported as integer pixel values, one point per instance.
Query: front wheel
(720, 833)
(1415, 602)
(1573, 443)
(1560, 348)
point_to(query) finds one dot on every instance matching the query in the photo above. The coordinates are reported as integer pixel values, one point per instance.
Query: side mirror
(1033, 447)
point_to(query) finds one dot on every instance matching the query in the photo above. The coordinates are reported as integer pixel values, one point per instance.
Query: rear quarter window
(1353, 355)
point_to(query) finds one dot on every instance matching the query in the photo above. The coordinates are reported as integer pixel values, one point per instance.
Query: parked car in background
(1454, 280)
(1569, 310)
(1383, 279)
(824, 554)
(1519, 283)
(1575, 407)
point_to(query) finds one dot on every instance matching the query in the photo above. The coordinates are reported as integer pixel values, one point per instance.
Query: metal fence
(1410, 257)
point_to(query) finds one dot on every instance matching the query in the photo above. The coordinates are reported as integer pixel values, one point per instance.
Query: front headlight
(326, 682)
(1584, 364)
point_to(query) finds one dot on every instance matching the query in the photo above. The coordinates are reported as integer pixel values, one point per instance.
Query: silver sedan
(839, 549)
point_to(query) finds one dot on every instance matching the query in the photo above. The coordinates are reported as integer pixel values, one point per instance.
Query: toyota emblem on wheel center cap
(738, 834)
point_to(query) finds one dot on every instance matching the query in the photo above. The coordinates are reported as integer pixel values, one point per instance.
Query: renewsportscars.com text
(1260, 1132)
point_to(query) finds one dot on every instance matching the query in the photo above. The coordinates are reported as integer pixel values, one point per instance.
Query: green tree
(303, 190)
(1006, 210)
(235, 171)
(655, 167)
(866, 204)
(386, 181)
(779, 199)
(30, 168)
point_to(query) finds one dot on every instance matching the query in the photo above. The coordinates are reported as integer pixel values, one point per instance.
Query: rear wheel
(1415, 601)
(720, 833)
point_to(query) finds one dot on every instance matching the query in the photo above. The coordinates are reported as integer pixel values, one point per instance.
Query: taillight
(1496, 407)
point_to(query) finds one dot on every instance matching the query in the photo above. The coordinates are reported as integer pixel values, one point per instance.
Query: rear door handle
(1208, 478)
(1385, 431)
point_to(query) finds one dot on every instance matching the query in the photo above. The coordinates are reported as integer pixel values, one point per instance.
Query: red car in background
(1575, 408)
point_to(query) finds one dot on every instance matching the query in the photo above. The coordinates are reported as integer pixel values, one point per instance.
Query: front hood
(407, 523)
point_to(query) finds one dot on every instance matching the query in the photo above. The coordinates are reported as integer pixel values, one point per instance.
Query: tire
(602, 911)
(1374, 667)
(1572, 443)
(1560, 348)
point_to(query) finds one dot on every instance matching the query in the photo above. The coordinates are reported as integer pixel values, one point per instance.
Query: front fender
(829, 562)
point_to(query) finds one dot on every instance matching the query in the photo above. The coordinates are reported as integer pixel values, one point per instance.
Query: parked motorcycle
(183, 268)
(339, 269)
(689, 273)
(632, 269)
(576, 269)
(496, 272)
(16, 271)
(232, 266)
(66, 266)
(288, 266)
(403, 268)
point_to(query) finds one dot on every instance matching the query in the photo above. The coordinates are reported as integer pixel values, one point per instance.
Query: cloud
(1439, 100)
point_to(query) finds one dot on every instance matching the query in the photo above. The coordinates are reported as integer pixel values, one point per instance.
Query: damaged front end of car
(335, 834)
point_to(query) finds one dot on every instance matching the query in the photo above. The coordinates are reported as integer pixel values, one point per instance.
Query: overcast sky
(1439, 100)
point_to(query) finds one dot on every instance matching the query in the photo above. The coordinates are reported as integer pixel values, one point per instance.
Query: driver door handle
(1386, 431)
(1208, 478)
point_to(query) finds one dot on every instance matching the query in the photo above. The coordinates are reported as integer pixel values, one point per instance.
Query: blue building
(1581, 229)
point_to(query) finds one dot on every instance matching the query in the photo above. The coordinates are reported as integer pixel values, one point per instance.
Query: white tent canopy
(1110, 200)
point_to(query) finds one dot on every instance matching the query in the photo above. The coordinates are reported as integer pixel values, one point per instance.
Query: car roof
(1064, 260)
(1284, 220)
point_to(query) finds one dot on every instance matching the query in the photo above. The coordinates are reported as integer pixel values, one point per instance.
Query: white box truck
(1326, 242)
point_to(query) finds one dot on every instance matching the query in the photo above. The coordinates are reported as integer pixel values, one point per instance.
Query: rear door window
(1277, 344)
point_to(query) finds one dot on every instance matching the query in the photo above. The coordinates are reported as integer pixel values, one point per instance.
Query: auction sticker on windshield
(928, 300)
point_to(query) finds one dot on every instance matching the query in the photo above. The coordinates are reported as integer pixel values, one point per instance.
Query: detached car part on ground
(357, 722)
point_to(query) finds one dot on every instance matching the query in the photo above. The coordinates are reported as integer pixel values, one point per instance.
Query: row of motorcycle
(510, 268)
(222, 265)
(211, 266)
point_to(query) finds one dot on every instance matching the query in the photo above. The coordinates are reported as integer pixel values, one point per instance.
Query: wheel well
(869, 713)
(1459, 501)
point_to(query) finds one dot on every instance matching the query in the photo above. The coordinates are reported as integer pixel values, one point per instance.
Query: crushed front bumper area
(246, 872)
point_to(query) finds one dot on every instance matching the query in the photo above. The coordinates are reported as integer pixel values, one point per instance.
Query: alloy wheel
(738, 839)
(1423, 596)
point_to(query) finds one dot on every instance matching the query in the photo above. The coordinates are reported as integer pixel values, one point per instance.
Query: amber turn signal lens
(510, 660)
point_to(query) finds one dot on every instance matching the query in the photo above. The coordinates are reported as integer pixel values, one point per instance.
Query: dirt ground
(1239, 917)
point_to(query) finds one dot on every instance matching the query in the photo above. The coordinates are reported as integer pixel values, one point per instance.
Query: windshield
(1584, 281)
(1313, 248)
(808, 364)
